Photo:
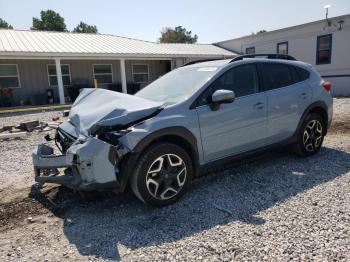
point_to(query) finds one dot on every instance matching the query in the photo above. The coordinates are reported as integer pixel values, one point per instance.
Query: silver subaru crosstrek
(194, 116)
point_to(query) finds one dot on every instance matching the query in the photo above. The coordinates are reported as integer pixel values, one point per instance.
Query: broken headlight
(113, 136)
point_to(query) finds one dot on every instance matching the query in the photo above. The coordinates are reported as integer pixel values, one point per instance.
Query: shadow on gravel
(103, 225)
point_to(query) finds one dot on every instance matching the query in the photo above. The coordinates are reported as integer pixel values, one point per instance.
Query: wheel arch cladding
(319, 108)
(321, 112)
(180, 136)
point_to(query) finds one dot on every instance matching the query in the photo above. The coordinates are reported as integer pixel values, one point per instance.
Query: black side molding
(168, 131)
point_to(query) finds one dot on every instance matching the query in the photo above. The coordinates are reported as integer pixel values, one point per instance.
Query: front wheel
(162, 174)
(310, 136)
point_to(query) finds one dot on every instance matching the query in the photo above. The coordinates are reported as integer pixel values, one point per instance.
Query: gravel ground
(276, 207)
(16, 173)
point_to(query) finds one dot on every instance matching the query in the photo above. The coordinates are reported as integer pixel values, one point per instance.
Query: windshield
(177, 85)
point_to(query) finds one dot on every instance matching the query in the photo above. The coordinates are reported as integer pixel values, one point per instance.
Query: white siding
(302, 44)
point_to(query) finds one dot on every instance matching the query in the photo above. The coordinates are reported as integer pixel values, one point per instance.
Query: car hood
(98, 110)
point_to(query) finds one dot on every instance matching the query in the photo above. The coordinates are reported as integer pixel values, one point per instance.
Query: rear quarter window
(302, 73)
(275, 75)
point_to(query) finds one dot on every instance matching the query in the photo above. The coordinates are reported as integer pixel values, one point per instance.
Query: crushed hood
(101, 109)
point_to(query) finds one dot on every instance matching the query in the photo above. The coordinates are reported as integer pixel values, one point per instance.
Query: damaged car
(193, 117)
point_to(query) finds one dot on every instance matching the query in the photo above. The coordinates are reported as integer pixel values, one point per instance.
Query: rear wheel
(162, 174)
(310, 136)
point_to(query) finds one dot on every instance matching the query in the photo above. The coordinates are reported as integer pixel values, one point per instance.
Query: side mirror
(221, 96)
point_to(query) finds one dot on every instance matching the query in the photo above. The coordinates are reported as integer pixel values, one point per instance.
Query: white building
(325, 45)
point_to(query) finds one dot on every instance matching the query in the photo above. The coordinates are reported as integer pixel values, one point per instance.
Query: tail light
(327, 85)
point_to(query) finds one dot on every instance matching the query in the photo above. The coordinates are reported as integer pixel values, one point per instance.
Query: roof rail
(268, 56)
(203, 60)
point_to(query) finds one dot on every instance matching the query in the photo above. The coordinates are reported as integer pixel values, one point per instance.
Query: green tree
(85, 28)
(49, 21)
(177, 35)
(4, 24)
(259, 32)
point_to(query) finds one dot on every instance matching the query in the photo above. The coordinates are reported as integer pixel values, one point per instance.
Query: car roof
(213, 63)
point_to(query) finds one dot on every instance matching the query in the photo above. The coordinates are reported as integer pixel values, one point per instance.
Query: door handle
(259, 105)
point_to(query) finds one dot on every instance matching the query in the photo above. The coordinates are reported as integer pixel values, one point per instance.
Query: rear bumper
(89, 165)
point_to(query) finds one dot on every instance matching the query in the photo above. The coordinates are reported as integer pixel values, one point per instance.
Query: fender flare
(180, 131)
(132, 158)
(320, 104)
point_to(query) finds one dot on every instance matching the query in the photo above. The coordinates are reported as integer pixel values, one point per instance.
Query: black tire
(148, 192)
(303, 147)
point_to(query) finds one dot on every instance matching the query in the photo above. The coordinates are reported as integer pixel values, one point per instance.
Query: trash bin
(50, 96)
(5, 97)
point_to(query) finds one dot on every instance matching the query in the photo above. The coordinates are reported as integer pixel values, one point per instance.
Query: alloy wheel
(166, 176)
(312, 136)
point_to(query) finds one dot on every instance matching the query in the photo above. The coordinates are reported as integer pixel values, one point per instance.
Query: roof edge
(75, 33)
(102, 34)
(283, 29)
(43, 55)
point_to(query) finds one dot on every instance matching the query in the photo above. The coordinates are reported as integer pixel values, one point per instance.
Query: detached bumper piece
(46, 166)
(89, 164)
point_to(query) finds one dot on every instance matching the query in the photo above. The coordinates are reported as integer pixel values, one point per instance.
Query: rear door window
(275, 75)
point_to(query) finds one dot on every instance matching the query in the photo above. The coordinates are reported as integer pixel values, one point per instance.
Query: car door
(287, 99)
(238, 126)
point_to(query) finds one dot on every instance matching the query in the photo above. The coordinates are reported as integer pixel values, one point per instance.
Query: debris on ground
(29, 125)
(47, 129)
(15, 130)
(6, 128)
(65, 113)
(23, 128)
(18, 135)
(53, 124)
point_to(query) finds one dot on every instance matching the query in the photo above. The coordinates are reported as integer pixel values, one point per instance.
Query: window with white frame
(9, 76)
(140, 73)
(103, 74)
(66, 77)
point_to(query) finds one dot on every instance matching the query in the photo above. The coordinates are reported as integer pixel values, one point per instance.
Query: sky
(212, 21)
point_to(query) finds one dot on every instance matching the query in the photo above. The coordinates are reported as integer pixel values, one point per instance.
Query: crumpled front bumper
(88, 165)
(46, 166)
